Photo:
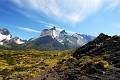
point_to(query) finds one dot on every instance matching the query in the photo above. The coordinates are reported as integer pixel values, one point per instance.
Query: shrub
(85, 60)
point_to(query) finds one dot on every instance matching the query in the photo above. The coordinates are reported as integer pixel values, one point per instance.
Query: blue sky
(26, 18)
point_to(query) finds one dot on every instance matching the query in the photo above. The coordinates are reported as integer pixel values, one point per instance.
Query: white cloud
(29, 29)
(17, 2)
(67, 10)
(114, 4)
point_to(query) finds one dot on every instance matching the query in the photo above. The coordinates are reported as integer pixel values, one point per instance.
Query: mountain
(49, 39)
(99, 45)
(98, 59)
(75, 40)
(87, 38)
(69, 41)
(49, 32)
(58, 40)
(45, 43)
(9, 42)
(5, 36)
(17, 40)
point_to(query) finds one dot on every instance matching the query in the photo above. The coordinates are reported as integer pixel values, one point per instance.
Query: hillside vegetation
(97, 60)
(21, 65)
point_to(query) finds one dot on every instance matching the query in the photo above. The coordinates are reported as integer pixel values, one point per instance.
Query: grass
(21, 65)
(98, 60)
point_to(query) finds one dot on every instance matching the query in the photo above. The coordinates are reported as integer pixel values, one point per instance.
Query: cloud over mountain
(68, 10)
(29, 29)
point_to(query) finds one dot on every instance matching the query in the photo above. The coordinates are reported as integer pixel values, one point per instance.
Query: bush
(85, 60)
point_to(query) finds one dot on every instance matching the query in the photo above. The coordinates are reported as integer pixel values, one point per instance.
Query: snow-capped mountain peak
(6, 37)
(51, 37)
(17, 40)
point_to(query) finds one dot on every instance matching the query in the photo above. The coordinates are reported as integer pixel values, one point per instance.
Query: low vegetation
(21, 65)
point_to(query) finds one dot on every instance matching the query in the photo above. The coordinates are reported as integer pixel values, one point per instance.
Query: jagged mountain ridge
(55, 40)
(69, 41)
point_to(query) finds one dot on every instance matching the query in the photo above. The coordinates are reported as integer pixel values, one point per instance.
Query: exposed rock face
(49, 32)
(80, 40)
(63, 34)
(87, 37)
(73, 41)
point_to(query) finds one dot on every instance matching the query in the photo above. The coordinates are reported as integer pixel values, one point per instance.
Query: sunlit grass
(30, 63)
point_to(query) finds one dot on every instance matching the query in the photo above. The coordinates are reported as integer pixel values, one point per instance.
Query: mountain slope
(97, 60)
(9, 42)
(45, 43)
(49, 39)
(103, 43)
(75, 40)
(6, 38)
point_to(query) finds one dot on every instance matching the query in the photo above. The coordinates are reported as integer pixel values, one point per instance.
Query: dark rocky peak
(15, 38)
(45, 30)
(115, 38)
(63, 32)
(106, 49)
(101, 38)
(54, 28)
(4, 31)
(102, 44)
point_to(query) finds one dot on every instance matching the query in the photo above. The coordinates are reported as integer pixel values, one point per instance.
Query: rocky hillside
(97, 60)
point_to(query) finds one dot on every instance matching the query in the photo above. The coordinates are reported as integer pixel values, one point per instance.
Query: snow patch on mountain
(6, 37)
(17, 40)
